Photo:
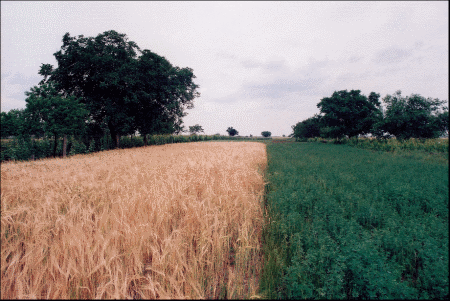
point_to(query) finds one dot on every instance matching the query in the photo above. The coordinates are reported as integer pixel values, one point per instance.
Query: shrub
(77, 148)
(266, 134)
(92, 146)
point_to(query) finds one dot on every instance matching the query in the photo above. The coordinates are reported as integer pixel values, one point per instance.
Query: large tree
(160, 94)
(414, 116)
(99, 71)
(121, 89)
(349, 113)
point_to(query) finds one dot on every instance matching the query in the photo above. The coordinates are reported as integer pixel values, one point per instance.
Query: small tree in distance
(195, 129)
(232, 132)
(266, 134)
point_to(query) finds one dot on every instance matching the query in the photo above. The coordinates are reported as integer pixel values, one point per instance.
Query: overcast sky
(261, 66)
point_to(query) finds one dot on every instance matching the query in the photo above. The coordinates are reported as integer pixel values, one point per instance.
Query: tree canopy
(414, 116)
(49, 112)
(308, 128)
(123, 87)
(349, 113)
(266, 134)
(195, 129)
(232, 132)
(12, 123)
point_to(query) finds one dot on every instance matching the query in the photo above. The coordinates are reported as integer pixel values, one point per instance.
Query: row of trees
(350, 114)
(232, 132)
(104, 84)
(195, 129)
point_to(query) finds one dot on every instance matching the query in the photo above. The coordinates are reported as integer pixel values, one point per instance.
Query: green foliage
(349, 113)
(12, 123)
(41, 148)
(25, 148)
(130, 142)
(431, 150)
(49, 112)
(121, 89)
(77, 148)
(98, 70)
(414, 117)
(195, 129)
(307, 128)
(162, 94)
(442, 122)
(103, 86)
(266, 134)
(352, 223)
(106, 143)
(232, 132)
(91, 146)
(15, 149)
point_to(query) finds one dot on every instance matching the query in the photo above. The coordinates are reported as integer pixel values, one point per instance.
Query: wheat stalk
(168, 221)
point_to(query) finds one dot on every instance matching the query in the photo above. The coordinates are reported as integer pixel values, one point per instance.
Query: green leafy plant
(350, 223)
(195, 129)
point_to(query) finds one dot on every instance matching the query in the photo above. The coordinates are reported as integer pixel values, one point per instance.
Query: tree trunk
(64, 146)
(54, 146)
(145, 140)
(117, 140)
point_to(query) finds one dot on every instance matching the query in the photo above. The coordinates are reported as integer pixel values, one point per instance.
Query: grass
(350, 223)
(169, 221)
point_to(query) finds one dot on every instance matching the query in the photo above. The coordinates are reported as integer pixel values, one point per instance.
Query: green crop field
(345, 222)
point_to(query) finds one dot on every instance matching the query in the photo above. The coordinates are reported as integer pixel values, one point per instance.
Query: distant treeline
(351, 114)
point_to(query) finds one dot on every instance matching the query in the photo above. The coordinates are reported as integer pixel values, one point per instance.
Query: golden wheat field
(169, 221)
